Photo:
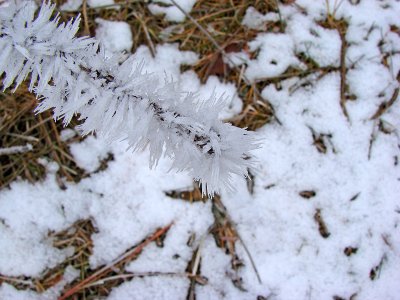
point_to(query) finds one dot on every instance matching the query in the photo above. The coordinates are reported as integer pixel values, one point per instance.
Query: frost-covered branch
(72, 76)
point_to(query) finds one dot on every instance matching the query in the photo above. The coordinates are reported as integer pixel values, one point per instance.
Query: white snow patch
(171, 12)
(89, 153)
(116, 36)
(227, 92)
(255, 20)
(276, 54)
(67, 134)
(73, 5)
(99, 3)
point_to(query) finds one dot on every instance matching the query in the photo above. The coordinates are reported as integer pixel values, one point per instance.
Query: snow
(115, 36)
(275, 56)
(73, 5)
(99, 3)
(356, 182)
(227, 90)
(158, 288)
(255, 20)
(171, 12)
(168, 59)
(67, 134)
(89, 153)
(322, 45)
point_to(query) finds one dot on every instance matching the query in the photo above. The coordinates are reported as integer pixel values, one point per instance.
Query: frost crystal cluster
(118, 100)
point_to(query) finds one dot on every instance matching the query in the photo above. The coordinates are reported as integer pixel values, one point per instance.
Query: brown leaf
(307, 194)
(323, 230)
(350, 250)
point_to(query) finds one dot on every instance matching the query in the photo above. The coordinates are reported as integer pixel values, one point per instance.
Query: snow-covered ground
(325, 185)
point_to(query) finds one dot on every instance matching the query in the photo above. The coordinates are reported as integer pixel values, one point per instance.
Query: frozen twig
(118, 100)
